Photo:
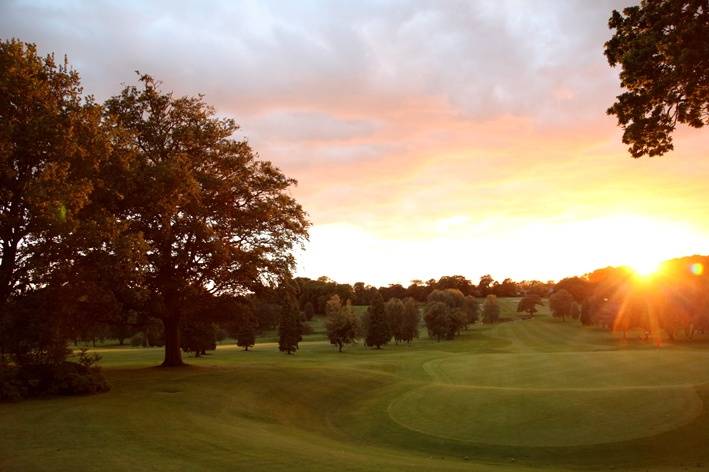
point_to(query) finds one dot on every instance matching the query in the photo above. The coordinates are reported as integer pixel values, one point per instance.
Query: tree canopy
(342, 324)
(563, 305)
(376, 326)
(663, 51)
(491, 310)
(529, 303)
(142, 208)
(53, 146)
(212, 215)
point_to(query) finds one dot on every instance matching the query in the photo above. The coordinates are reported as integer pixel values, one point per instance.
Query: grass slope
(522, 395)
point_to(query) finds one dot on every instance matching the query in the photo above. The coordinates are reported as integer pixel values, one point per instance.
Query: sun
(645, 268)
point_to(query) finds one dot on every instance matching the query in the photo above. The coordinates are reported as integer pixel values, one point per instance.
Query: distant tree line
(446, 314)
(313, 294)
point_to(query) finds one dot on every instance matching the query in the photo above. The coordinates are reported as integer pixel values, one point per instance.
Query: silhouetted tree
(661, 46)
(506, 288)
(418, 290)
(392, 291)
(376, 327)
(563, 305)
(491, 310)
(458, 311)
(529, 303)
(199, 335)
(457, 282)
(290, 329)
(394, 309)
(472, 309)
(342, 324)
(410, 321)
(578, 287)
(484, 285)
(244, 326)
(211, 214)
(361, 294)
(439, 322)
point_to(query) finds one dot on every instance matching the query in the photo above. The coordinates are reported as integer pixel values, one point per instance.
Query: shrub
(63, 378)
(137, 340)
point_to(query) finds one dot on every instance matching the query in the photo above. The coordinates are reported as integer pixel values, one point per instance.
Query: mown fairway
(537, 395)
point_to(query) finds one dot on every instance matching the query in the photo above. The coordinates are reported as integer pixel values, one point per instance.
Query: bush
(137, 340)
(11, 389)
(63, 378)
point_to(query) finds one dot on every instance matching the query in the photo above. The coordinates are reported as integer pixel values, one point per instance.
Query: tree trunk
(173, 355)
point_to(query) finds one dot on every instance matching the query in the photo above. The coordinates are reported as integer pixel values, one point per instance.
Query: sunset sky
(428, 138)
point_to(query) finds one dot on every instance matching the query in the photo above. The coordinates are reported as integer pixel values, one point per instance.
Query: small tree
(290, 329)
(457, 315)
(459, 319)
(472, 309)
(244, 327)
(198, 335)
(562, 305)
(199, 327)
(394, 309)
(342, 325)
(376, 327)
(528, 304)
(410, 321)
(439, 322)
(491, 310)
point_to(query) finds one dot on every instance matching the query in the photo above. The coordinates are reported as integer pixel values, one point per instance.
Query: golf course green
(535, 394)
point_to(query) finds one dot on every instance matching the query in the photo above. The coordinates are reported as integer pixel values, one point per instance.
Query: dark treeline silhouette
(673, 302)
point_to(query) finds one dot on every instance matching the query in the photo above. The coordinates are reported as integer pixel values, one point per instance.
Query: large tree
(663, 51)
(52, 147)
(212, 215)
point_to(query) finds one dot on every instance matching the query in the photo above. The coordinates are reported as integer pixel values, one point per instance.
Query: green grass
(522, 395)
